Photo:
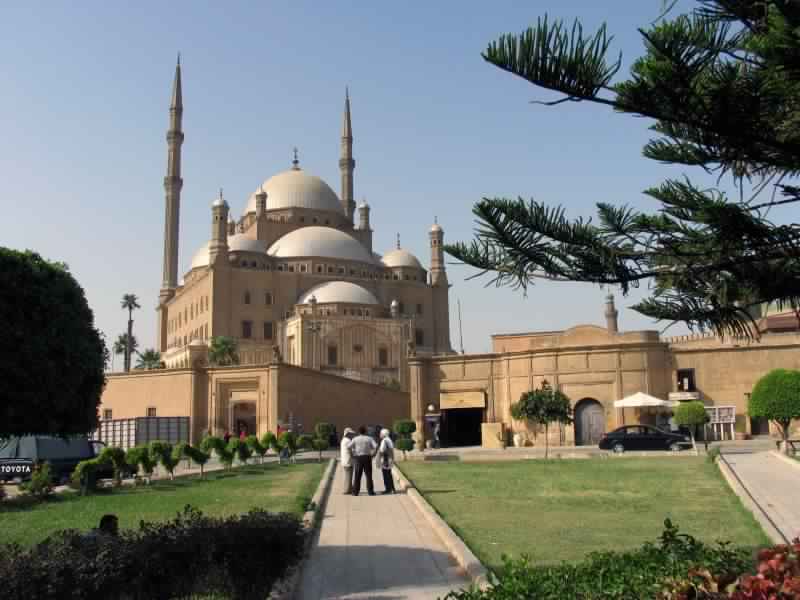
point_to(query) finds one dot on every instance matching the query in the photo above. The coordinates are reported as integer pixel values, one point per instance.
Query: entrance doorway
(590, 422)
(461, 427)
(759, 426)
(244, 418)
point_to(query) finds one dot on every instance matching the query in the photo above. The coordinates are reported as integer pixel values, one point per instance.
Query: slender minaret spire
(611, 313)
(172, 187)
(398, 241)
(346, 162)
(438, 272)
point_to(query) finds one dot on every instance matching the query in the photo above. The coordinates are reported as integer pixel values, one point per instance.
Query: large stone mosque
(296, 275)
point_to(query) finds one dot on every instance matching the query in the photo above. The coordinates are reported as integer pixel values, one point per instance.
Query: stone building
(297, 271)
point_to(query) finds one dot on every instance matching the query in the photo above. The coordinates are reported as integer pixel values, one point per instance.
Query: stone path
(773, 485)
(377, 547)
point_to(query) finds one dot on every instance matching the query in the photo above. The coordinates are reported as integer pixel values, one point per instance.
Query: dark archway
(590, 422)
(461, 427)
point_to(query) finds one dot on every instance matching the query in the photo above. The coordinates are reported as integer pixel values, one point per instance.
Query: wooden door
(590, 422)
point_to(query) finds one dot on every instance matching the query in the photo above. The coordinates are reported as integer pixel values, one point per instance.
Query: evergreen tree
(722, 85)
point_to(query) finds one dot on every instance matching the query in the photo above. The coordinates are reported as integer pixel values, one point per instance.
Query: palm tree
(121, 344)
(149, 359)
(131, 303)
(222, 351)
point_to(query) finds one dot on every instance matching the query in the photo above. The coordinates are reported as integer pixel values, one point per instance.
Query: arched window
(268, 299)
(333, 355)
(247, 297)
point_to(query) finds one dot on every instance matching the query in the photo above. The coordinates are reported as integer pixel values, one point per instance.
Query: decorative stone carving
(277, 357)
(411, 348)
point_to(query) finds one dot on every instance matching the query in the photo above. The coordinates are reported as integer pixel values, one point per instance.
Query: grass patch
(561, 510)
(277, 488)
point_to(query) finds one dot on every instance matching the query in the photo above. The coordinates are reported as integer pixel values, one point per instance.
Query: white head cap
(384, 433)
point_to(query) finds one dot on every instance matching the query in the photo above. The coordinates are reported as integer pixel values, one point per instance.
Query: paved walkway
(377, 547)
(773, 485)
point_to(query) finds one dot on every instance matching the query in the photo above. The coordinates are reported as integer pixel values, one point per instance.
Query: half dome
(338, 292)
(401, 258)
(325, 242)
(296, 188)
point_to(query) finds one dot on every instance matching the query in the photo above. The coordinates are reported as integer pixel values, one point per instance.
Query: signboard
(683, 396)
(471, 399)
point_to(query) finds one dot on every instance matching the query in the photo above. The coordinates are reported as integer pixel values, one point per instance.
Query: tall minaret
(346, 162)
(611, 314)
(438, 273)
(172, 186)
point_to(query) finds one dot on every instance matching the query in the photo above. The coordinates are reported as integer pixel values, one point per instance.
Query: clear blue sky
(83, 114)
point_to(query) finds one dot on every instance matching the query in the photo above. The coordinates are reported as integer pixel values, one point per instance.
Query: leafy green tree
(240, 450)
(52, 372)
(256, 447)
(139, 456)
(149, 359)
(305, 442)
(116, 457)
(218, 446)
(776, 396)
(223, 351)
(167, 456)
(121, 346)
(692, 415)
(542, 407)
(322, 437)
(197, 456)
(130, 303)
(286, 446)
(721, 85)
(404, 428)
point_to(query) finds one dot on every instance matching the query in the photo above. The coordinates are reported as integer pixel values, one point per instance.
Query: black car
(642, 437)
(62, 454)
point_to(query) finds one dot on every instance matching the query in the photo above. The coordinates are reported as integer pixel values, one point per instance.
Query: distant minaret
(611, 315)
(346, 162)
(218, 247)
(438, 274)
(172, 186)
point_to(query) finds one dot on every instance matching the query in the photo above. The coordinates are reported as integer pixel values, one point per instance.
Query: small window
(333, 357)
(327, 221)
(247, 329)
(686, 381)
(405, 276)
(253, 264)
(280, 267)
(419, 309)
(366, 312)
(291, 268)
(267, 330)
(358, 312)
(302, 268)
(341, 270)
(352, 272)
(419, 337)
(302, 219)
(386, 276)
(330, 269)
(396, 277)
(401, 308)
(383, 357)
(205, 331)
(106, 414)
(268, 299)
(319, 268)
(315, 219)
(151, 411)
(247, 297)
(358, 348)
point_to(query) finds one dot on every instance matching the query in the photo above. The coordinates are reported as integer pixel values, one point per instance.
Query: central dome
(296, 188)
(324, 242)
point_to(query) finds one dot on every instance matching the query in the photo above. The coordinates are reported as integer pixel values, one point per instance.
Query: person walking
(363, 448)
(346, 458)
(386, 455)
(227, 437)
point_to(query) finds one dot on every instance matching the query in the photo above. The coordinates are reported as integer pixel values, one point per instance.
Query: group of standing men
(356, 454)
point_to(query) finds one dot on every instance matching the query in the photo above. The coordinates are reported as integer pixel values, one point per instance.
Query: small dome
(324, 242)
(236, 243)
(435, 228)
(395, 303)
(340, 292)
(401, 258)
(296, 188)
(363, 205)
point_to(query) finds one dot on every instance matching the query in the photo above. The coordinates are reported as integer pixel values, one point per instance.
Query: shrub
(691, 414)
(140, 456)
(3, 493)
(217, 445)
(405, 445)
(405, 427)
(166, 455)
(239, 449)
(256, 447)
(84, 477)
(713, 455)
(40, 485)
(115, 456)
(635, 575)
(305, 442)
(197, 456)
(286, 445)
(236, 557)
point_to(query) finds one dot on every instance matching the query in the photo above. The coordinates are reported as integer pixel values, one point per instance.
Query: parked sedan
(642, 437)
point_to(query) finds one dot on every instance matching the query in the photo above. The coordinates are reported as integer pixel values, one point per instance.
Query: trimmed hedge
(239, 557)
(636, 575)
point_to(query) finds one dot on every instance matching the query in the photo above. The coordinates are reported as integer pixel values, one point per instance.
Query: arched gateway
(590, 422)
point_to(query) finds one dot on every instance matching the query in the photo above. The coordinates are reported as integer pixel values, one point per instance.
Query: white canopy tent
(640, 399)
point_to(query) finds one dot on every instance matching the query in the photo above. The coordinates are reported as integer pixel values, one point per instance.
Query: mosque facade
(296, 276)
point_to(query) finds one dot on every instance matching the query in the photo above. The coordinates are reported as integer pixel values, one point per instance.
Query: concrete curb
(749, 503)
(786, 459)
(462, 554)
(286, 589)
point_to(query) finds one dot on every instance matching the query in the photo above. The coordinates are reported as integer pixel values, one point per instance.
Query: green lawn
(561, 510)
(284, 488)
